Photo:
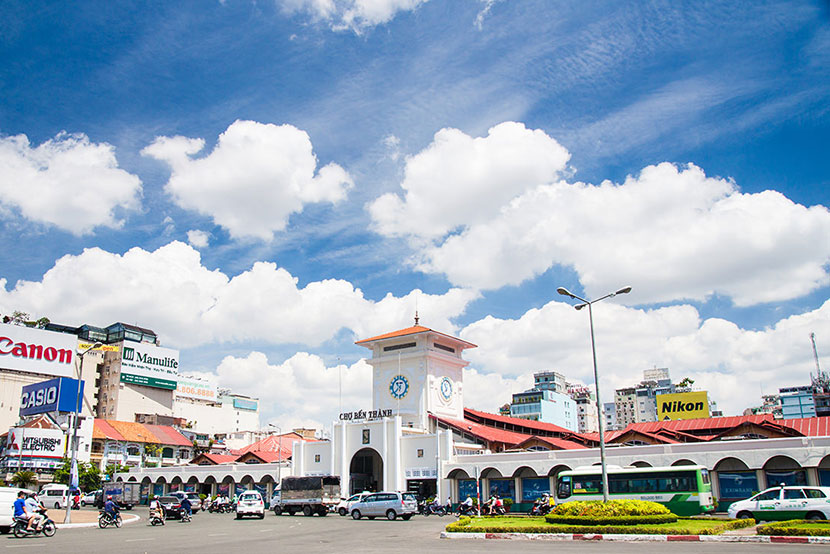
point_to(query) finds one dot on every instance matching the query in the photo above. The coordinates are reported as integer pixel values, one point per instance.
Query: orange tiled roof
(127, 431)
(417, 329)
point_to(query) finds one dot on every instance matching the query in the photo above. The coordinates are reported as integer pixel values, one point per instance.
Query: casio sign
(40, 397)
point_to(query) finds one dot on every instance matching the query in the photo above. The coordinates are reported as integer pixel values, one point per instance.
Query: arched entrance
(366, 471)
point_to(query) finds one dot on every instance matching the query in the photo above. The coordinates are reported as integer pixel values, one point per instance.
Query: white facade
(217, 417)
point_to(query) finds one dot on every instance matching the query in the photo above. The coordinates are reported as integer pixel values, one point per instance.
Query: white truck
(309, 495)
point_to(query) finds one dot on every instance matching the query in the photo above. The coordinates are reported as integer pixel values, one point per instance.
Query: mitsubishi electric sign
(35, 443)
(37, 351)
(148, 365)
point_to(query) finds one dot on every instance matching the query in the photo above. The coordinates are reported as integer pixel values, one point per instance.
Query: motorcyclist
(498, 505)
(111, 508)
(20, 506)
(33, 512)
(186, 506)
(466, 506)
(156, 509)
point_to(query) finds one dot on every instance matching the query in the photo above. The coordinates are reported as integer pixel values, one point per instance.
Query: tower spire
(416, 318)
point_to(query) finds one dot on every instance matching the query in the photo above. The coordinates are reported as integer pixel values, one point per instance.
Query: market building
(418, 436)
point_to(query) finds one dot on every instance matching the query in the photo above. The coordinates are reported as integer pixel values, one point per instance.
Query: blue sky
(263, 183)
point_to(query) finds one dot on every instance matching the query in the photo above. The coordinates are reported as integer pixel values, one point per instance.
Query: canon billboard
(37, 351)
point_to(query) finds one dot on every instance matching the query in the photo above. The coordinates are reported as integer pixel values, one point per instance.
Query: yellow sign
(682, 405)
(103, 348)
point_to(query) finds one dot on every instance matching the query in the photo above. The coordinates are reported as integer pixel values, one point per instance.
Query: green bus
(685, 490)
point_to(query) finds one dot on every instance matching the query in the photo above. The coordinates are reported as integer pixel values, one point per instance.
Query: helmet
(109, 497)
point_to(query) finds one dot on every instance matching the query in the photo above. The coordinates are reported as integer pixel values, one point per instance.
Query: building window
(317, 458)
(420, 452)
(446, 348)
(398, 346)
(366, 436)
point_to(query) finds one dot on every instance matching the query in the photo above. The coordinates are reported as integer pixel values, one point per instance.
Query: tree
(686, 383)
(112, 469)
(89, 476)
(24, 478)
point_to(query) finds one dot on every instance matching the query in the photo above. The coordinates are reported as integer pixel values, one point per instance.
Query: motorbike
(157, 517)
(435, 509)
(105, 519)
(47, 527)
(464, 509)
(223, 508)
(184, 516)
(539, 508)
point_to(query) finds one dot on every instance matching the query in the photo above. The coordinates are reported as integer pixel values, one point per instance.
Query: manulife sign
(150, 366)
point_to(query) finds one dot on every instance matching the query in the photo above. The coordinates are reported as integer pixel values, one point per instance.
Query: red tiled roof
(808, 426)
(169, 435)
(275, 443)
(529, 424)
(561, 444)
(700, 424)
(489, 434)
(265, 455)
(417, 329)
(215, 458)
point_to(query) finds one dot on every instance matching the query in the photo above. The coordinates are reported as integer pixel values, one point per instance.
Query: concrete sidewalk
(635, 538)
(84, 518)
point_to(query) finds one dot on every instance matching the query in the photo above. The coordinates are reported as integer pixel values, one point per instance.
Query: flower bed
(683, 526)
(796, 527)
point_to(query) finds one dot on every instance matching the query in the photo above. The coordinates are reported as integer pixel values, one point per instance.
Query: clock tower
(417, 371)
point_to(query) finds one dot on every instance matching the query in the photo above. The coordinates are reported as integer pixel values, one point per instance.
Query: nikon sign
(150, 366)
(682, 405)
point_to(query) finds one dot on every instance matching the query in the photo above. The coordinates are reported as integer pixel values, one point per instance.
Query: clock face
(446, 388)
(398, 386)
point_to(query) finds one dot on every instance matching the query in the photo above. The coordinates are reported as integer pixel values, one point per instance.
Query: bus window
(704, 473)
(564, 489)
(618, 484)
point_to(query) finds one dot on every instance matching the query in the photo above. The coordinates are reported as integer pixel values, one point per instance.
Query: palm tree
(24, 479)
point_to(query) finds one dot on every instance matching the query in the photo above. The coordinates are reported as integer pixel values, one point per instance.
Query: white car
(344, 508)
(782, 503)
(89, 498)
(250, 503)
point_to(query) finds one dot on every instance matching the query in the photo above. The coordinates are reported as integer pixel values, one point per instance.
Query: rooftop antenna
(821, 381)
(416, 309)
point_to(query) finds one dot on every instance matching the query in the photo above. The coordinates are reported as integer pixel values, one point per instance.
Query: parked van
(54, 495)
(7, 497)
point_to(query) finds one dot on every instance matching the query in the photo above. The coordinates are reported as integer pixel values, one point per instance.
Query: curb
(127, 519)
(637, 538)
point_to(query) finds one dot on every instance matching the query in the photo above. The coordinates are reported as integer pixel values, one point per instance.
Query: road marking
(138, 540)
(25, 545)
(265, 530)
(218, 535)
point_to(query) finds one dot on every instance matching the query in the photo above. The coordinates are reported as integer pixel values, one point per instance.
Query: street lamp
(565, 292)
(279, 453)
(73, 464)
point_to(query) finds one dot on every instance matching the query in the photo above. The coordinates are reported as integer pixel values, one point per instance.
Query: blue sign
(54, 395)
(243, 404)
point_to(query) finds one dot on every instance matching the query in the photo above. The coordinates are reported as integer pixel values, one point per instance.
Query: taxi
(784, 502)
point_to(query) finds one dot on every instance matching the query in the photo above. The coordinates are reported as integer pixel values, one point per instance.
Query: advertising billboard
(30, 442)
(191, 387)
(54, 395)
(37, 351)
(682, 405)
(148, 365)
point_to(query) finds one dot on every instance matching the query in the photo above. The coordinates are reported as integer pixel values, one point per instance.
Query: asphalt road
(222, 534)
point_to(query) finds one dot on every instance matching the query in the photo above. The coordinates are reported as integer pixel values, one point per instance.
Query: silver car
(386, 504)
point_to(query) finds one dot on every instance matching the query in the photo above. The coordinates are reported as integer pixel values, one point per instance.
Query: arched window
(132, 450)
(166, 452)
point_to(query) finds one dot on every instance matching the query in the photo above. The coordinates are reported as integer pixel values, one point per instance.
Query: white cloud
(461, 181)
(170, 291)
(735, 365)
(670, 232)
(355, 15)
(67, 181)
(198, 239)
(301, 391)
(253, 180)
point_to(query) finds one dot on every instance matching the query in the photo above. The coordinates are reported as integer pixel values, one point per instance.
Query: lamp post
(565, 292)
(279, 453)
(73, 464)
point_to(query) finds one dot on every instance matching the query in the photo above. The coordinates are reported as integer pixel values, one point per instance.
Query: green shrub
(683, 526)
(656, 519)
(612, 508)
(796, 527)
